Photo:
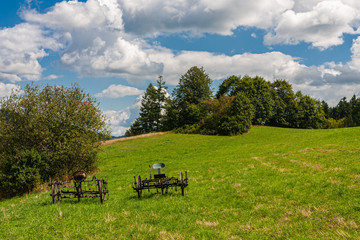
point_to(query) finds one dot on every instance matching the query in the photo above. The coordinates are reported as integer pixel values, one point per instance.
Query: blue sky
(115, 48)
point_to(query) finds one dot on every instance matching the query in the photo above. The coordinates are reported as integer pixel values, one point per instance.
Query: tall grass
(269, 183)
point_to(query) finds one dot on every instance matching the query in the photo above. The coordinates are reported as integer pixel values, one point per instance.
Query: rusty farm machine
(160, 181)
(78, 187)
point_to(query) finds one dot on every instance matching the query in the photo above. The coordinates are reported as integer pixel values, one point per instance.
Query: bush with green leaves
(188, 129)
(59, 127)
(224, 116)
(21, 173)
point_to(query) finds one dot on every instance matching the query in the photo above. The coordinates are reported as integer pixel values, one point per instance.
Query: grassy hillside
(269, 183)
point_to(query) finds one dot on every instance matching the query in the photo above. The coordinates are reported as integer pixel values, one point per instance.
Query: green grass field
(269, 183)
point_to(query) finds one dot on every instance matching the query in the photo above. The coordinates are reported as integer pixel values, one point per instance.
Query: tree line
(239, 103)
(344, 114)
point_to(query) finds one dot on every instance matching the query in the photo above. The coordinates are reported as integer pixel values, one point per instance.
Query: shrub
(20, 173)
(239, 117)
(59, 127)
(228, 115)
(333, 123)
(188, 129)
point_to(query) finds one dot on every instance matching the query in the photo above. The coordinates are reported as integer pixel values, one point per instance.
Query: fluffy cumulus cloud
(21, 48)
(323, 25)
(118, 91)
(114, 56)
(97, 44)
(74, 15)
(270, 65)
(156, 16)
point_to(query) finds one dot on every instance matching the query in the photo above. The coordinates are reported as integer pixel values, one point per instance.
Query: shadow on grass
(153, 195)
(73, 201)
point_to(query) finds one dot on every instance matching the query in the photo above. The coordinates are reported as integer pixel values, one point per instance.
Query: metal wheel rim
(53, 192)
(138, 186)
(182, 184)
(101, 190)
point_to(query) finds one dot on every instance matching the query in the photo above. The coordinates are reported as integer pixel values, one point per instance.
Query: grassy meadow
(270, 183)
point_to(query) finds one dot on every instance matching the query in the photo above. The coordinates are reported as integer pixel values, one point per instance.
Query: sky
(114, 48)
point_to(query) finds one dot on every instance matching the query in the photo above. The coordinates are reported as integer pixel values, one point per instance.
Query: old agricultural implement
(79, 188)
(160, 181)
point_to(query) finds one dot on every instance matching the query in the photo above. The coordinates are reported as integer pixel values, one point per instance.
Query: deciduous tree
(309, 112)
(193, 88)
(284, 111)
(257, 90)
(48, 132)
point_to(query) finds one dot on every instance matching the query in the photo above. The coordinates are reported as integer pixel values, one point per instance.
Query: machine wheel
(78, 190)
(104, 189)
(162, 187)
(138, 186)
(182, 183)
(101, 189)
(53, 193)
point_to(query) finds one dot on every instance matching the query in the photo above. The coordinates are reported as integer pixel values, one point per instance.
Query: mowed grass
(270, 183)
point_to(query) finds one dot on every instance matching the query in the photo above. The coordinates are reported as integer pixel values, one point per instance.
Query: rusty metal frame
(79, 188)
(162, 182)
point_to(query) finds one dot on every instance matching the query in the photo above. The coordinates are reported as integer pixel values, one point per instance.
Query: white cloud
(7, 89)
(322, 26)
(114, 56)
(118, 91)
(21, 48)
(355, 59)
(147, 17)
(118, 131)
(117, 117)
(270, 65)
(52, 77)
(96, 42)
(305, 5)
(74, 15)
(120, 121)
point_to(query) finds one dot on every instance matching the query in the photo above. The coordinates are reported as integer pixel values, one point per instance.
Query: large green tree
(47, 132)
(284, 110)
(194, 87)
(257, 90)
(309, 112)
(356, 112)
(228, 115)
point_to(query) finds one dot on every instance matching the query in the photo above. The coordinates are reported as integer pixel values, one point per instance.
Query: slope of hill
(269, 183)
